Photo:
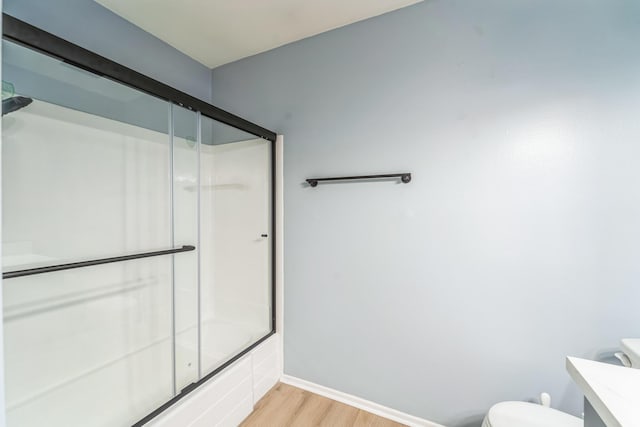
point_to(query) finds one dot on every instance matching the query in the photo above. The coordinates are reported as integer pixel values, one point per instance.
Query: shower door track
(39, 40)
(33, 37)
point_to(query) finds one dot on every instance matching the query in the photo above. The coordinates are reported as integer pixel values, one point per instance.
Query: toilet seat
(523, 414)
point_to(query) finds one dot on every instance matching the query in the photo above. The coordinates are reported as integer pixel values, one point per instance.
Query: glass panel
(235, 242)
(93, 169)
(86, 174)
(88, 347)
(185, 229)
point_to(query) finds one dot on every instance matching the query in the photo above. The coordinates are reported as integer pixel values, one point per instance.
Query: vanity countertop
(613, 391)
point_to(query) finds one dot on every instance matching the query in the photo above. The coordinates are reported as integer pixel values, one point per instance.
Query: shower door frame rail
(92, 262)
(34, 38)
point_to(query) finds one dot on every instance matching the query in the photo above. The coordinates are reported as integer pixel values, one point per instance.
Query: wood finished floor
(285, 405)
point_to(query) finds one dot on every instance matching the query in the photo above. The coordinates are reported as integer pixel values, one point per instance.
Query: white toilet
(524, 414)
(630, 354)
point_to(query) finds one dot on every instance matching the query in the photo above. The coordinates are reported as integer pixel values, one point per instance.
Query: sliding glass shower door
(184, 195)
(168, 213)
(85, 175)
(236, 241)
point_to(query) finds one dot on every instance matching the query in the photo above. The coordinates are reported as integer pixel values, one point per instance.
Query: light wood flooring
(285, 405)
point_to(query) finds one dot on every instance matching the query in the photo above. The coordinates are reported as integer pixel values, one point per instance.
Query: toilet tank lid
(631, 347)
(523, 414)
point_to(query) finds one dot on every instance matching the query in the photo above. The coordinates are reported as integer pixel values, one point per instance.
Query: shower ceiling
(216, 32)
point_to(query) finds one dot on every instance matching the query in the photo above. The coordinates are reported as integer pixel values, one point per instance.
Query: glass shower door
(185, 232)
(169, 214)
(86, 175)
(235, 241)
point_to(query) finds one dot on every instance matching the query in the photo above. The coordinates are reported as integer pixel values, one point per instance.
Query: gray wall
(516, 244)
(90, 25)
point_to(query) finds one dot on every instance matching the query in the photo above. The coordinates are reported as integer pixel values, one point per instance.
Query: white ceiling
(216, 32)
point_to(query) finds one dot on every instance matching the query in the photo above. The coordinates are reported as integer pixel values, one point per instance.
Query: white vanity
(611, 393)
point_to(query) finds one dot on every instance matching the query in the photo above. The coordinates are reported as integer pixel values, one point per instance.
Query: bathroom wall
(94, 27)
(515, 244)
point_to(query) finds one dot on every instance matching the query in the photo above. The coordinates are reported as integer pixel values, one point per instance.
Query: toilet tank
(631, 347)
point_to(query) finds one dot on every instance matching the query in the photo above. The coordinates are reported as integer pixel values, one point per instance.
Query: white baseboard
(357, 402)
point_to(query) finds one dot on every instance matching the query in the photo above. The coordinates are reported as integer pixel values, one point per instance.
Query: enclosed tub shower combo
(137, 237)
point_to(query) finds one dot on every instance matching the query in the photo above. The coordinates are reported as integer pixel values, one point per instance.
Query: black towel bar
(405, 177)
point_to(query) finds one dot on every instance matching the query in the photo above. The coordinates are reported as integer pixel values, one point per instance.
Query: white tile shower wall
(235, 214)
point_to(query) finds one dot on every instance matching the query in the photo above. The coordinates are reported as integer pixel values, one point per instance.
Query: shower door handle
(69, 266)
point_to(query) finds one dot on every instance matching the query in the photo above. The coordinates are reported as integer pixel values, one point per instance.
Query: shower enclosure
(137, 229)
